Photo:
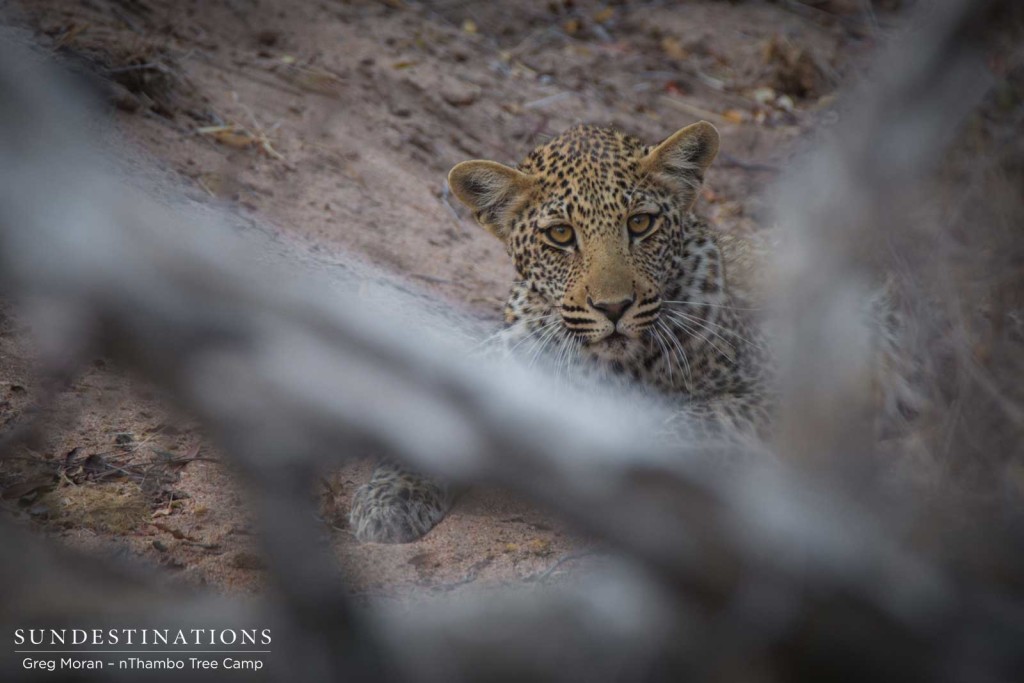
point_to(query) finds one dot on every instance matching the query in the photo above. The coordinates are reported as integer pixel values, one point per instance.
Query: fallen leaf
(314, 79)
(734, 116)
(541, 547)
(674, 88)
(214, 184)
(235, 137)
(763, 95)
(826, 100)
(674, 49)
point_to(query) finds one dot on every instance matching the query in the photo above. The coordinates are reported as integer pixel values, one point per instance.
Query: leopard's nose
(613, 310)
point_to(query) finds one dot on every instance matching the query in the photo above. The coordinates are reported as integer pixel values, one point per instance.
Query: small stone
(460, 93)
(127, 102)
(268, 37)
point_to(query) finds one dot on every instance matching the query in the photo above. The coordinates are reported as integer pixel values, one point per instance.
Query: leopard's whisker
(657, 336)
(674, 340)
(538, 349)
(489, 339)
(559, 353)
(544, 339)
(497, 334)
(676, 351)
(532, 334)
(701, 324)
(701, 321)
(697, 333)
(690, 326)
(706, 303)
(565, 358)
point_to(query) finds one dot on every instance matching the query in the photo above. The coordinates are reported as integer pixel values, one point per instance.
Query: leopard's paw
(397, 507)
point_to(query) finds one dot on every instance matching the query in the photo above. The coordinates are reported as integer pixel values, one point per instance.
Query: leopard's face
(597, 225)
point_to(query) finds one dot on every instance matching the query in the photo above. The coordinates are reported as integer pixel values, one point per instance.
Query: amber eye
(640, 224)
(561, 235)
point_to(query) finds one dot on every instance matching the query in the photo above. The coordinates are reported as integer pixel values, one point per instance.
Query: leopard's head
(595, 222)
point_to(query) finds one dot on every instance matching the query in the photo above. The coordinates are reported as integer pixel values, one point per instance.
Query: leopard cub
(615, 270)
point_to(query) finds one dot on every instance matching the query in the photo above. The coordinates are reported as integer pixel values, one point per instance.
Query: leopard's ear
(491, 190)
(682, 159)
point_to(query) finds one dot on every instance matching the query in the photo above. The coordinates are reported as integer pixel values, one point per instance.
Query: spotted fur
(653, 308)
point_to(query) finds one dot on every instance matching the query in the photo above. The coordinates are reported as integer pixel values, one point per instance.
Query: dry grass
(118, 508)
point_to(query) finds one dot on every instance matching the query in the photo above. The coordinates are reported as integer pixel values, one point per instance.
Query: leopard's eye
(561, 235)
(640, 224)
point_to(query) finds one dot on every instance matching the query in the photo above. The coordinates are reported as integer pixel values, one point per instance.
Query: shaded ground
(336, 123)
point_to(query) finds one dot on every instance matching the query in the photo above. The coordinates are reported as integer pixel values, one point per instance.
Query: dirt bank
(336, 124)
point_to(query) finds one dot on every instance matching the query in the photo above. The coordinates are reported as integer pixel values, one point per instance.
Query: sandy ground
(336, 123)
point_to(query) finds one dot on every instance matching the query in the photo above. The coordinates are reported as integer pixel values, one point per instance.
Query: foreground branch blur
(750, 571)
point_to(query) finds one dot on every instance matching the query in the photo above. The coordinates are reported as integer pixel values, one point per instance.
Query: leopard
(615, 269)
